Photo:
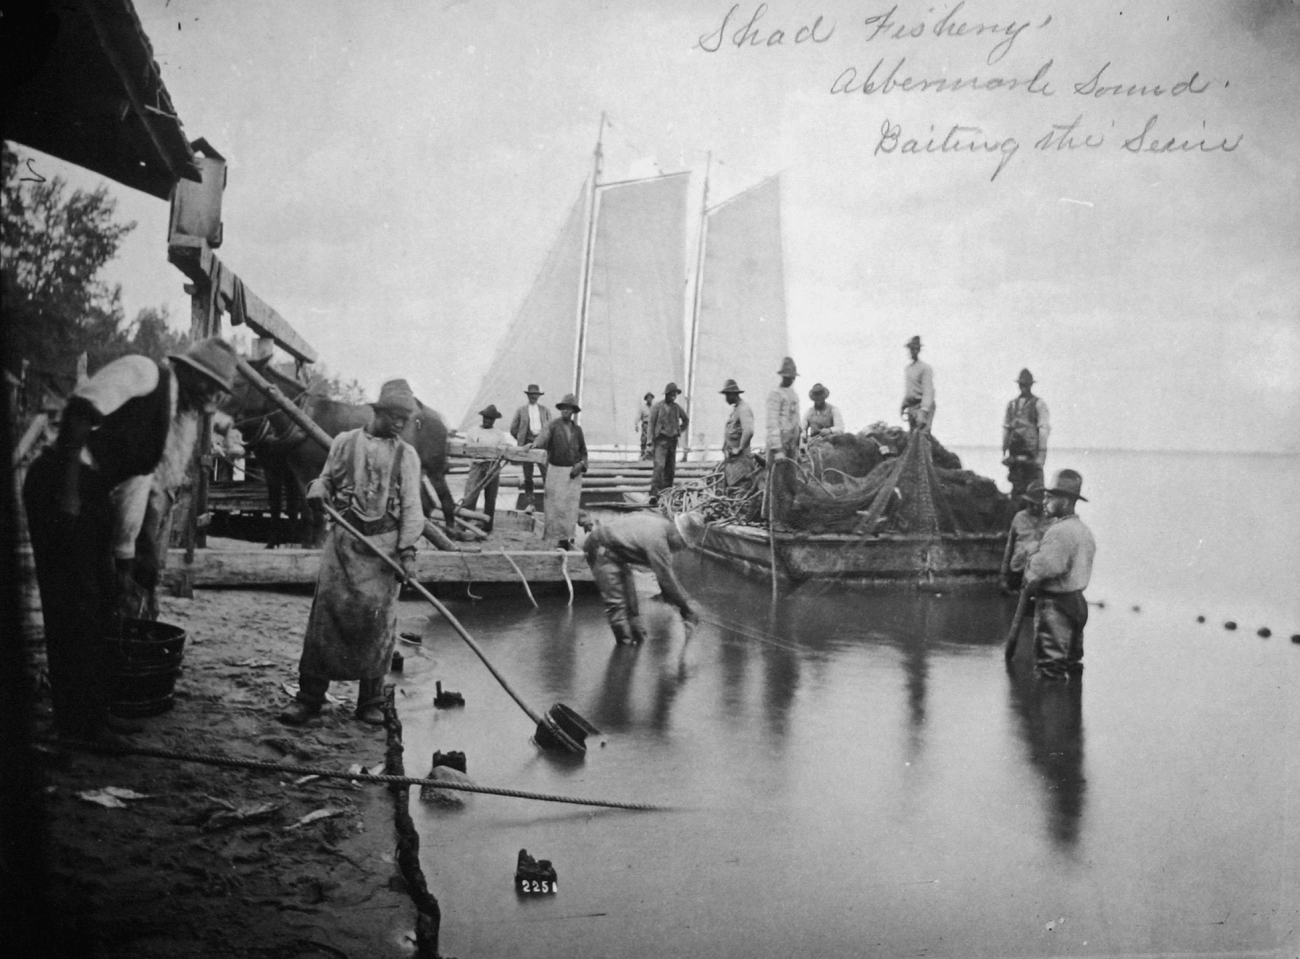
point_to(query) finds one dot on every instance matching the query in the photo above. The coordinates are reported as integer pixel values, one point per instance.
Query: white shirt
(534, 418)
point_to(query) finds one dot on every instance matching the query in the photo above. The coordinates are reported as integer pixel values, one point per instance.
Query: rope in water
(213, 759)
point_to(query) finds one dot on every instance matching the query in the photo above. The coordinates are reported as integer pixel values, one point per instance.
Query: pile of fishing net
(912, 487)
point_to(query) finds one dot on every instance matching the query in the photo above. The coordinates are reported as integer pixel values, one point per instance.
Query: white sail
(633, 337)
(741, 326)
(539, 345)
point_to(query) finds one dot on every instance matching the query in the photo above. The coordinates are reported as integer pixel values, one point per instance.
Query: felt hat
(1067, 483)
(533, 390)
(691, 527)
(395, 395)
(671, 388)
(914, 341)
(787, 367)
(1033, 492)
(648, 396)
(818, 391)
(490, 411)
(570, 401)
(1025, 377)
(214, 358)
(730, 387)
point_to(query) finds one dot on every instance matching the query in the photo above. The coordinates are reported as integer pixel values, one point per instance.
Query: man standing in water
(918, 389)
(372, 477)
(641, 539)
(1056, 576)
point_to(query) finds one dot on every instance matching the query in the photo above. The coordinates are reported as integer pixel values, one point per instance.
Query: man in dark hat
(484, 475)
(643, 426)
(127, 430)
(783, 430)
(738, 462)
(1027, 529)
(667, 422)
(918, 389)
(527, 425)
(822, 419)
(1057, 575)
(372, 477)
(1024, 436)
(566, 459)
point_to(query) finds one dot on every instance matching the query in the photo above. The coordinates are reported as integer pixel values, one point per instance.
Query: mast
(588, 250)
(695, 301)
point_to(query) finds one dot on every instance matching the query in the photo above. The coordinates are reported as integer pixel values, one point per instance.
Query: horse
(290, 454)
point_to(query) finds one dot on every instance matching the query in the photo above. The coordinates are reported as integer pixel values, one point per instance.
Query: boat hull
(947, 561)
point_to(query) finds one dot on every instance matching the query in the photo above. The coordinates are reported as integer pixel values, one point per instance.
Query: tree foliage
(321, 379)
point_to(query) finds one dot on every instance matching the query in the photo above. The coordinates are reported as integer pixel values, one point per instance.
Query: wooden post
(192, 502)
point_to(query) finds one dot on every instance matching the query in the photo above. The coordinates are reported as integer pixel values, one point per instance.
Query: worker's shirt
(828, 419)
(643, 418)
(1063, 563)
(918, 385)
(534, 418)
(783, 420)
(1026, 535)
(739, 430)
(363, 475)
(492, 436)
(667, 420)
(564, 443)
(643, 539)
(1026, 426)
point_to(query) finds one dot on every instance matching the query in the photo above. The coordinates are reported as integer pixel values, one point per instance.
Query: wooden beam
(289, 567)
(512, 454)
(193, 257)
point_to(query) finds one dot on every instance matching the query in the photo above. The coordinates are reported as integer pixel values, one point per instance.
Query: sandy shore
(180, 873)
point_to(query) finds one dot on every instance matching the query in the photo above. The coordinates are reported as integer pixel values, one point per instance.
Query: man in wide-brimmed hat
(783, 431)
(372, 477)
(822, 419)
(1057, 575)
(643, 426)
(1025, 428)
(667, 422)
(614, 546)
(1024, 536)
(527, 425)
(485, 475)
(566, 460)
(738, 461)
(918, 389)
(96, 501)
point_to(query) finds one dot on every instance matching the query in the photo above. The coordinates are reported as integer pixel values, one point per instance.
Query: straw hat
(730, 387)
(691, 527)
(1067, 483)
(570, 401)
(214, 358)
(395, 395)
(787, 368)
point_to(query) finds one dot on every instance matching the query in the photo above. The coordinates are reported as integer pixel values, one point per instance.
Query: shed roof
(83, 86)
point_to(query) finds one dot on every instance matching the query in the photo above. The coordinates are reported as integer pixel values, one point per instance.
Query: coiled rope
(214, 759)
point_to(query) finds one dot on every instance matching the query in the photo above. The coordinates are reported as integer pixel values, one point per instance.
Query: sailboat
(605, 317)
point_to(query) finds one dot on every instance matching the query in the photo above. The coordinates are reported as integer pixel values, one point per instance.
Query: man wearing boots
(1056, 576)
(528, 422)
(372, 477)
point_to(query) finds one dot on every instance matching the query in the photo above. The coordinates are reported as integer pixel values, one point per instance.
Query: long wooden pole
(587, 252)
(695, 301)
(1013, 634)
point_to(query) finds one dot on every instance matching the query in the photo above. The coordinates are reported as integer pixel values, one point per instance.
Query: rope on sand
(215, 759)
(522, 577)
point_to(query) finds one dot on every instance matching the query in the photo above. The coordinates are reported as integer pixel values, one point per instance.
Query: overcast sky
(398, 172)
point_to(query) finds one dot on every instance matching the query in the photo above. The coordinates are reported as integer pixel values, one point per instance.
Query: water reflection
(1050, 719)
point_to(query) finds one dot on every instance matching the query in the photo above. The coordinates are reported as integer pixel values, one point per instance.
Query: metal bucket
(146, 659)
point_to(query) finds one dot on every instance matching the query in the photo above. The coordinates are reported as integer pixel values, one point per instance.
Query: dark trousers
(618, 590)
(489, 490)
(312, 690)
(1021, 473)
(665, 464)
(528, 469)
(74, 570)
(783, 483)
(1059, 619)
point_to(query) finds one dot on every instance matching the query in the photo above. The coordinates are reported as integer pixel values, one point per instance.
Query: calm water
(860, 776)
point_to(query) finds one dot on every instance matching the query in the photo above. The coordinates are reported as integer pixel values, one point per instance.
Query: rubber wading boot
(299, 712)
(371, 714)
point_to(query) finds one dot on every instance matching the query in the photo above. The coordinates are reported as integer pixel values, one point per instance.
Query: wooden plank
(513, 454)
(290, 567)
